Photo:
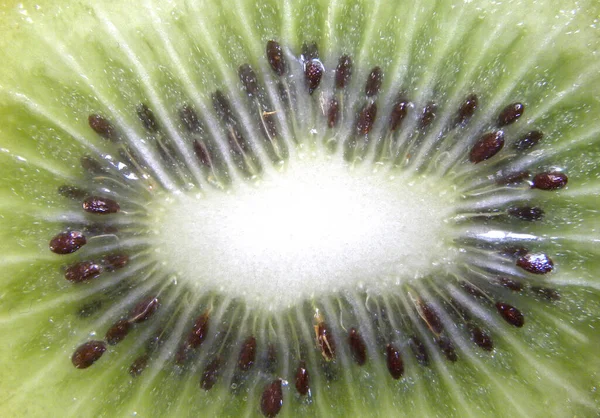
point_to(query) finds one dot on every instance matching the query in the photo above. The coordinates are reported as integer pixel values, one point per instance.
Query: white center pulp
(314, 228)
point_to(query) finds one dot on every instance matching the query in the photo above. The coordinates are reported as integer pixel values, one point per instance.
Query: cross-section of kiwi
(308, 208)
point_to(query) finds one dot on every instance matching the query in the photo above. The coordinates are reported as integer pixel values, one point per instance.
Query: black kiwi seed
(357, 347)
(333, 113)
(83, 271)
(431, 318)
(394, 362)
(481, 338)
(488, 145)
(325, 341)
(427, 115)
(272, 399)
(399, 112)
(247, 354)
(528, 141)
(117, 332)
(467, 109)
(100, 205)
(139, 365)
(536, 263)
(510, 114)
(374, 81)
(144, 309)
(87, 354)
(276, 58)
(510, 314)
(313, 72)
(249, 80)
(114, 262)
(67, 242)
(366, 119)
(302, 380)
(551, 180)
(194, 338)
(343, 72)
(102, 127)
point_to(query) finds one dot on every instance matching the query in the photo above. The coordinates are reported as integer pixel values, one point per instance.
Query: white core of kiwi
(318, 225)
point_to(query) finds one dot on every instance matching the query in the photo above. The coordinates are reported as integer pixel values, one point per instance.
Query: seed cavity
(551, 180)
(276, 58)
(87, 354)
(549, 294)
(510, 114)
(83, 271)
(72, 192)
(272, 399)
(536, 263)
(67, 242)
(528, 141)
(147, 118)
(91, 165)
(302, 379)
(394, 362)
(513, 178)
(510, 314)
(100, 205)
(510, 284)
(418, 349)
(210, 374)
(487, 146)
(189, 118)
(357, 347)
(374, 81)
(445, 344)
(526, 213)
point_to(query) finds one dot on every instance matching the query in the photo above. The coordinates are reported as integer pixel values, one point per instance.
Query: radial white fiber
(315, 228)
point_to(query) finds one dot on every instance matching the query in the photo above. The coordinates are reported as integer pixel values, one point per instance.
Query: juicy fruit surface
(63, 65)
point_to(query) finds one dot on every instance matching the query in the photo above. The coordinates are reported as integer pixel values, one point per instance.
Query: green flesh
(431, 50)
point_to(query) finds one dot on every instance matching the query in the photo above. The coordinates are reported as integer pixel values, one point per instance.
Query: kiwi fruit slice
(310, 208)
